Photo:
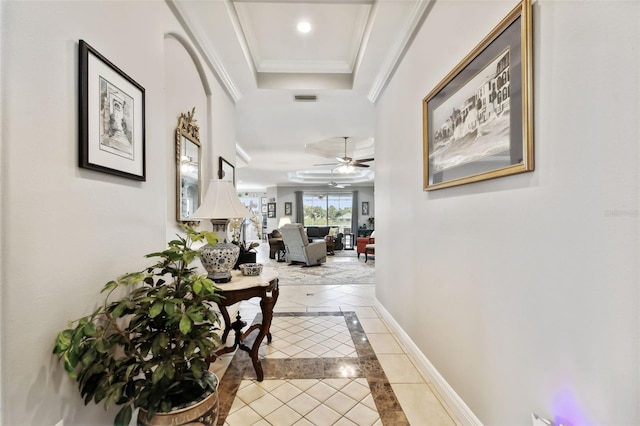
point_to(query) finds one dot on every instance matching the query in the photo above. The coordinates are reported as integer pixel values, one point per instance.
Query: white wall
(523, 291)
(66, 231)
(185, 88)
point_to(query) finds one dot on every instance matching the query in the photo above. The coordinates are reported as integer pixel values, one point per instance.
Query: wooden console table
(264, 286)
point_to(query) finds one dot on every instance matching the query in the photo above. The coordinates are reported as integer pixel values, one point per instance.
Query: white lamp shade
(221, 202)
(283, 221)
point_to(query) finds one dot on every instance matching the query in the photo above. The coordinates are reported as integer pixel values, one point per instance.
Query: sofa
(317, 232)
(321, 232)
(337, 241)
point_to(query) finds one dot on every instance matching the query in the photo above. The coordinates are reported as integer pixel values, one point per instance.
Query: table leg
(227, 323)
(237, 326)
(267, 302)
(266, 306)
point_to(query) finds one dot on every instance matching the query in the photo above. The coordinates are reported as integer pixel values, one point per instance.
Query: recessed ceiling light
(304, 26)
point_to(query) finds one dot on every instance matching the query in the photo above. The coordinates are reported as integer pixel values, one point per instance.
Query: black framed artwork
(226, 171)
(365, 208)
(111, 117)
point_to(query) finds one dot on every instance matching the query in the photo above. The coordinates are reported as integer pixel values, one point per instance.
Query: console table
(264, 286)
(364, 232)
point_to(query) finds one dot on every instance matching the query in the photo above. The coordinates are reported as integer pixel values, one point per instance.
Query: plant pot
(246, 257)
(203, 411)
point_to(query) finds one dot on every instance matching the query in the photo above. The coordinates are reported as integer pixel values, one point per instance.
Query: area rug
(343, 268)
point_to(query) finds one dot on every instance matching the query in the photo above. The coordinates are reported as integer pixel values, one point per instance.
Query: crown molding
(206, 49)
(417, 15)
(304, 66)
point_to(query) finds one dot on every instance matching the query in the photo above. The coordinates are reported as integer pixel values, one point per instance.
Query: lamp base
(220, 277)
(218, 260)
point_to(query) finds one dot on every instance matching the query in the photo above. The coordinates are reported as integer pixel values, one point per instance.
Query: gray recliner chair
(299, 249)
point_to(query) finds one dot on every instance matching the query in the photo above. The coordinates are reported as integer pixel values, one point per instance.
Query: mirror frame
(189, 129)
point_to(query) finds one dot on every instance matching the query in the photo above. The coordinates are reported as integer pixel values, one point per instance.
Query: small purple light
(568, 411)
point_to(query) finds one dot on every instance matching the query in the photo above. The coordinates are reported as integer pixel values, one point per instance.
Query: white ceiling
(262, 61)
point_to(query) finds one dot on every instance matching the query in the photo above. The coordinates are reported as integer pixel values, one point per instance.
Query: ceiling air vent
(305, 98)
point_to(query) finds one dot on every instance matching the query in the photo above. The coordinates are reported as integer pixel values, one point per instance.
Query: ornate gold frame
(187, 131)
(521, 153)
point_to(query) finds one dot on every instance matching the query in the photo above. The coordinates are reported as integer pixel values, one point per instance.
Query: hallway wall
(66, 231)
(523, 291)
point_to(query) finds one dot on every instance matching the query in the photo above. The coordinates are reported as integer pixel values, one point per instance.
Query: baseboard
(462, 412)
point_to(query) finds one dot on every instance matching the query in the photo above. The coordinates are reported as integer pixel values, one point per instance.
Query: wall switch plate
(536, 420)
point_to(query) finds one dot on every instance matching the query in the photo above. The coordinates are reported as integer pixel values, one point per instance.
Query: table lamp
(283, 221)
(220, 204)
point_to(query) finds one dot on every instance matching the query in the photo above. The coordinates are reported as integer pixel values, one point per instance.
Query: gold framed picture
(478, 121)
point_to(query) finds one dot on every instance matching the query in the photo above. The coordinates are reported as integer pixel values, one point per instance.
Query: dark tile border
(366, 365)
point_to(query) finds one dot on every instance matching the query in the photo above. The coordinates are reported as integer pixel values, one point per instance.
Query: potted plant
(147, 345)
(238, 237)
(247, 253)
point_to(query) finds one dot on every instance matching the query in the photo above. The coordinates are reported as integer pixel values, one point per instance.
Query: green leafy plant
(147, 348)
(247, 247)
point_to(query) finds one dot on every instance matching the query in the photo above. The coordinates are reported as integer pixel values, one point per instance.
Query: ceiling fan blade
(326, 164)
(359, 165)
(364, 160)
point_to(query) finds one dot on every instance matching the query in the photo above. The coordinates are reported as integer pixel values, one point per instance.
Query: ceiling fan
(335, 184)
(346, 162)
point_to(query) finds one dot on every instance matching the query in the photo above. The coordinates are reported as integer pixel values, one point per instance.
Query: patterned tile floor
(332, 361)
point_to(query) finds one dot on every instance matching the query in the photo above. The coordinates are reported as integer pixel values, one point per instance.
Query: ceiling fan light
(344, 169)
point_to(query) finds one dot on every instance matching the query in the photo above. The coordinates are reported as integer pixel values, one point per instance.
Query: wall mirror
(188, 167)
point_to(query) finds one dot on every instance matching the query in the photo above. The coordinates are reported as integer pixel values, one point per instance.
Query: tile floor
(332, 361)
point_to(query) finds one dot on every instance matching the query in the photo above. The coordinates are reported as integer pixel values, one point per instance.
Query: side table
(264, 286)
(349, 241)
(330, 246)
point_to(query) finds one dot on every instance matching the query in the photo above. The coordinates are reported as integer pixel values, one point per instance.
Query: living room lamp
(220, 204)
(283, 221)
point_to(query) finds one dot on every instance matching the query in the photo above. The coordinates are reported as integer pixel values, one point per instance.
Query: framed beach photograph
(226, 171)
(478, 121)
(111, 119)
(288, 208)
